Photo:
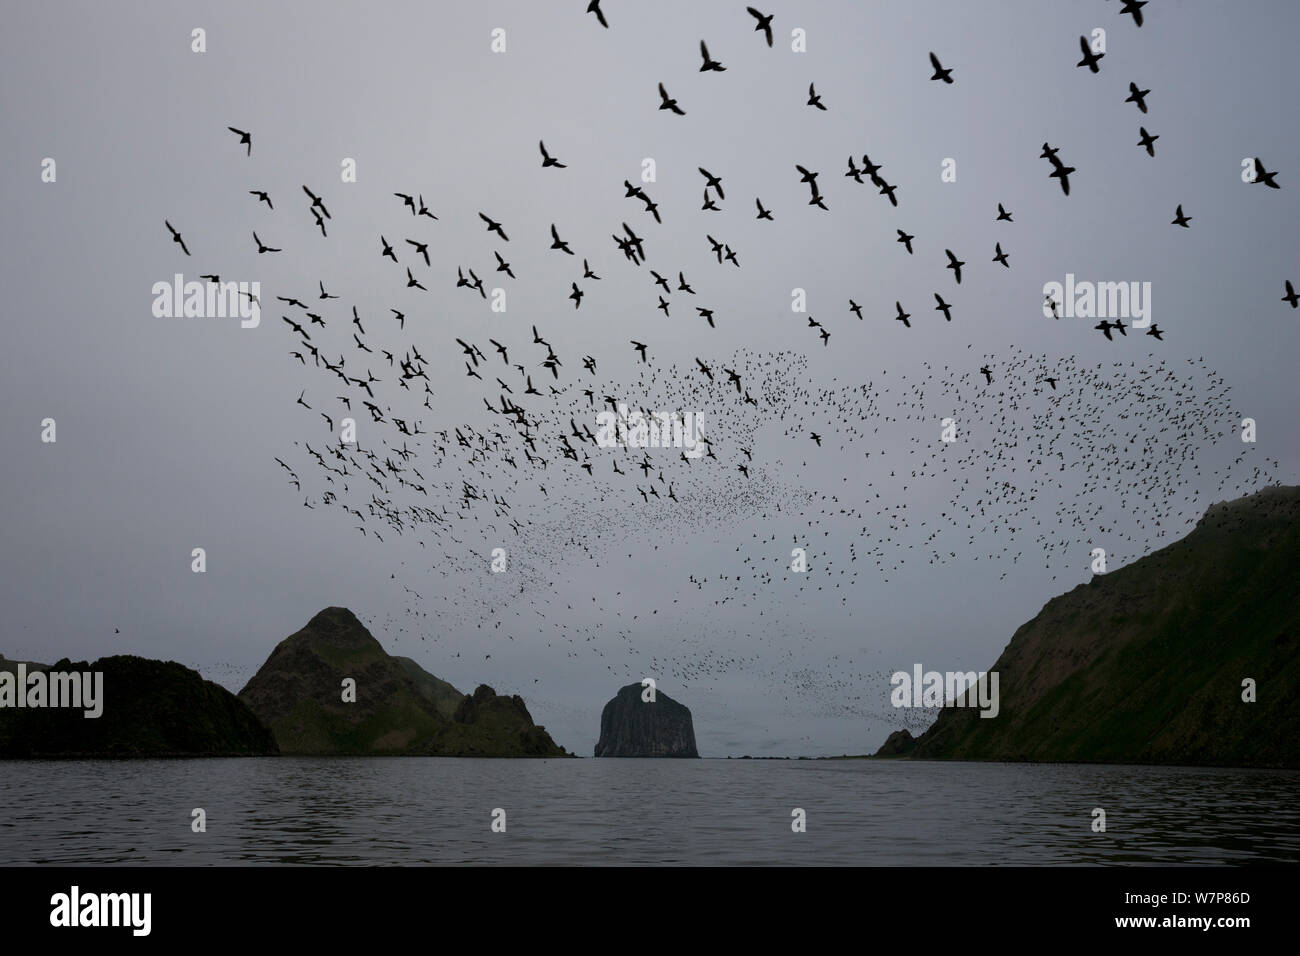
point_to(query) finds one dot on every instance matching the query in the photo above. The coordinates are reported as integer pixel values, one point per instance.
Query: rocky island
(631, 726)
(395, 706)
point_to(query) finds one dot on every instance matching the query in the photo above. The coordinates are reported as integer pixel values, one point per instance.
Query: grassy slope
(1145, 664)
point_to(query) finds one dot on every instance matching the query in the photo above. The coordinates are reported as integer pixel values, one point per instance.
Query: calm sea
(438, 810)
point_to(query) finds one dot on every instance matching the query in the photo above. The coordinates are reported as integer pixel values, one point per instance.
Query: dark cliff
(1146, 664)
(399, 708)
(632, 727)
(149, 709)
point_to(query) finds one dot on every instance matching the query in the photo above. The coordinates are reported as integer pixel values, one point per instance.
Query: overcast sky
(168, 429)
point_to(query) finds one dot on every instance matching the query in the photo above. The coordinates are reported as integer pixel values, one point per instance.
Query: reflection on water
(439, 810)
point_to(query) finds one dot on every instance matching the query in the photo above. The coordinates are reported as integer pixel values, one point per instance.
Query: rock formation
(399, 707)
(633, 727)
(1147, 664)
(149, 708)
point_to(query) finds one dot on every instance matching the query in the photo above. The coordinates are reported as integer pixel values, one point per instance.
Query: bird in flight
(559, 243)
(494, 227)
(421, 249)
(1051, 381)
(1134, 7)
(547, 158)
(712, 181)
(762, 213)
(1155, 331)
(1003, 215)
(955, 265)
(1290, 296)
(906, 240)
(1001, 256)
(1062, 172)
(902, 316)
(594, 7)
(1179, 219)
(944, 307)
(1137, 96)
(939, 72)
(667, 103)
(261, 248)
(710, 64)
(245, 139)
(176, 237)
(1148, 141)
(502, 265)
(1262, 175)
(640, 347)
(1090, 59)
(576, 295)
(261, 196)
(764, 23)
(814, 99)
(316, 203)
(855, 309)
(988, 376)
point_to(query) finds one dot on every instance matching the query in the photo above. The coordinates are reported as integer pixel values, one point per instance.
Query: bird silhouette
(709, 65)
(1137, 96)
(939, 72)
(668, 103)
(245, 139)
(547, 159)
(176, 238)
(1090, 59)
(764, 23)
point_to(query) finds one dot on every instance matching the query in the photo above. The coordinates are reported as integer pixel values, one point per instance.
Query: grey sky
(168, 428)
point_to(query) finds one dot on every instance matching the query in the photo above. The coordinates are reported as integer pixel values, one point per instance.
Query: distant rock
(631, 727)
(1146, 664)
(400, 709)
(896, 744)
(149, 709)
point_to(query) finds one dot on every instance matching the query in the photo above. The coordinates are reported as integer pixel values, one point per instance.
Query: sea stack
(641, 722)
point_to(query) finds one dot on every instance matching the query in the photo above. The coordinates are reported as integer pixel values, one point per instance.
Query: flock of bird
(531, 476)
